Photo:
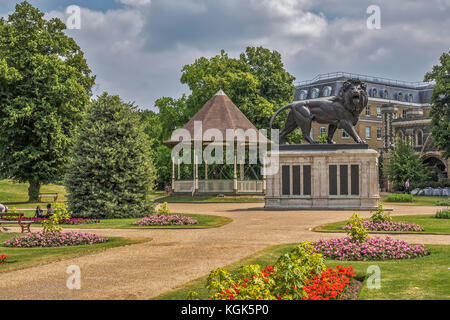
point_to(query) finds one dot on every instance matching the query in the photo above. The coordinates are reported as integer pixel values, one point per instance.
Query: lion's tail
(276, 113)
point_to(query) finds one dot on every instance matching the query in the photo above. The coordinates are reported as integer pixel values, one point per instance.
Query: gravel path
(174, 257)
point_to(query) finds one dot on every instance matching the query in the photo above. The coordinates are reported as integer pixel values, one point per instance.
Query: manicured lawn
(16, 194)
(20, 258)
(206, 199)
(411, 279)
(428, 223)
(418, 201)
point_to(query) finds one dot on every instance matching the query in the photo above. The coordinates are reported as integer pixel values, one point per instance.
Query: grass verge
(429, 223)
(21, 258)
(409, 279)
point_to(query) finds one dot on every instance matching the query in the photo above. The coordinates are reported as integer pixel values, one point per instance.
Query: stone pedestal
(325, 177)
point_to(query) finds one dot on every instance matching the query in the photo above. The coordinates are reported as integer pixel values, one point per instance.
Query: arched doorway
(435, 163)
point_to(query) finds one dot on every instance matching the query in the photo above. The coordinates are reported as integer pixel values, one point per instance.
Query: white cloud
(138, 51)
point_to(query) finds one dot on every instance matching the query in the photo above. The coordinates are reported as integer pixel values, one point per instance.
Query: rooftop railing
(337, 75)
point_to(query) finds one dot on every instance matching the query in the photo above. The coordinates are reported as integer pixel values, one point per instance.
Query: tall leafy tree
(404, 163)
(440, 100)
(45, 86)
(111, 174)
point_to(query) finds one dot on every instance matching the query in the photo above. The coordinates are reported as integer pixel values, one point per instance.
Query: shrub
(54, 239)
(111, 174)
(372, 249)
(60, 213)
(387, 226)
(357, 231)
(400, 197)
(165, 220)
(380, 215)
(164, 209)
(444, 214)
(284, 280)
(445, 202)
(3, 258)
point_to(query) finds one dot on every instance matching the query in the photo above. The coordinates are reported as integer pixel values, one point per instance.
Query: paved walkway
(176, 256)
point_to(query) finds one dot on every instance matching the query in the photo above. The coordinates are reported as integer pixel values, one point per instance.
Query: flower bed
(165, 220)
(387, 226)
(71, 221)
(54, 239)
(371, 249)
(3, 258)
(329, 285)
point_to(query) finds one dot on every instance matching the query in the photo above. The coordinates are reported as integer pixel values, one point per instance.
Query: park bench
(53, 196)
(15, 218)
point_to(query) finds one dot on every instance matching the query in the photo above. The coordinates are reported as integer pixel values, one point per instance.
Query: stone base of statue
(324, 176)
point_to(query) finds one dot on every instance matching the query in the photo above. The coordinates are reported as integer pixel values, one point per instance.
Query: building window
(410, 97)
(379, 150)
(367, 111)
(399, 96)
(303, 94)
(314, 93)
(326, 91)
(322, 130)
(379, 112)
(368, 132)
(419, 137)
(345, 134)
(404, 113)
(386, 94)
(374, 92)
(379, 133)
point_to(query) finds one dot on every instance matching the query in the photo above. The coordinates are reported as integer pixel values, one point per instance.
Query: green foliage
(111, 174)
(445, 202)
(164, 209)
(380, 215)
(404, 163)
(322, 139)
(60, 212)
(440, 101)
(444, 214)
(45, 86)
(357, 232)
(285, 280)
(400, 197)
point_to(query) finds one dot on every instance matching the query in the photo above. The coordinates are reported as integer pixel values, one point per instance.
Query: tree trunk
(33, 191)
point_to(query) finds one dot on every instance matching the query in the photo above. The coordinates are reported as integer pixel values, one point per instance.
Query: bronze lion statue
(340, 112)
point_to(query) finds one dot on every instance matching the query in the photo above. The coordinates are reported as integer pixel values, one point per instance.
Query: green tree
(440, 100)
(404, 163)
(45, 86)
(111, 174)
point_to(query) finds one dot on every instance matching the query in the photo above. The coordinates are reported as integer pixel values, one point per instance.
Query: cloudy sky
(138, 47)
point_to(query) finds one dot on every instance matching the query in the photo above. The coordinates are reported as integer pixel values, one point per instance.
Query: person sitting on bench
(49, 210)
(39, 212)
(3, 208)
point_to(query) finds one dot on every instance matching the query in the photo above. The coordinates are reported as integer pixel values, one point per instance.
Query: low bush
(298, 275)
(372, 249)
(54, 239)
(445, 202)
(387, 226)
(165, 220)
(357, 231)
(380, 215)
(3, 258)
(71, 221)
(399, 197)
(445, 214)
